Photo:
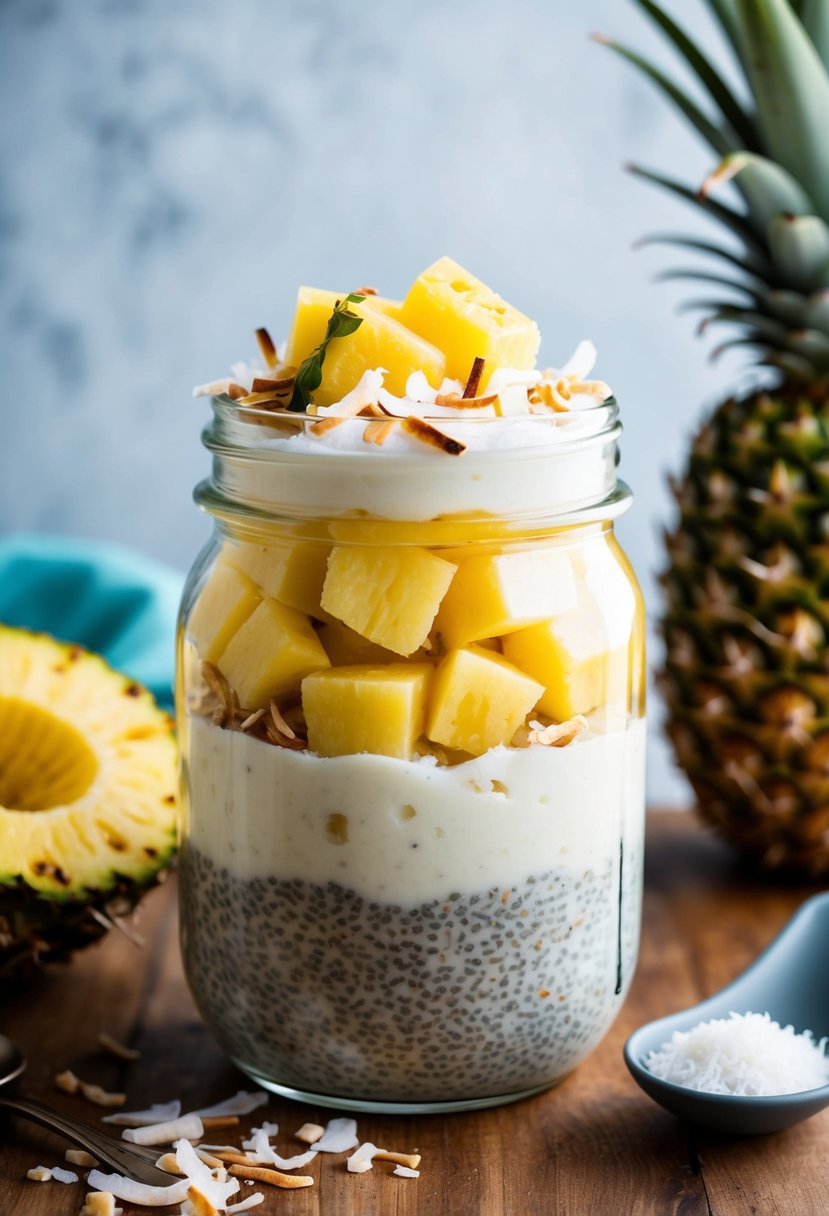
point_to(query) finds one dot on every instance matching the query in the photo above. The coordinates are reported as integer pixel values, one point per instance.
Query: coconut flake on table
(252, 1201)
(403, 1171)
(361, 1161)
(161, 1112)
(339, 1136)
(188, 1126)
(744, 1054)
(242, 1103)
(261, 1152)
(139, 1192)
(217, 1190)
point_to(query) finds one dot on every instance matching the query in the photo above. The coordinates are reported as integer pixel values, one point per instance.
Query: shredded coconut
(340, 1135)
(746, 1054)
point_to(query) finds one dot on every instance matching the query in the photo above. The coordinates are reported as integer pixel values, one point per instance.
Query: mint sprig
(341, 323)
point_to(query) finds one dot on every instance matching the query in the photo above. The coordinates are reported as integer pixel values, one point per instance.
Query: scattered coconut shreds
(169, 1163)
(270, 1129)
(403, 1171)
(261, 1152)
(119, 1050)
(217, 1188)
(410, 1160)
(138, 1192)
(478, 365)
(310, 1133)
(39, 1173)
(215, 1163)
(427, 433)
(70, 1084)
(557, 735)
(340, 1135)
(244, 1102)
(273, 1177)
(261, 385)
(360, 1161)
(453, 401)
(161, 1112)
(252, 1201)
(61, 1175)
(188, 1127)
(212, 1122)
(100, 1203)
(378, 431)
(78, 1156)
(198, 1205)
(266, 346)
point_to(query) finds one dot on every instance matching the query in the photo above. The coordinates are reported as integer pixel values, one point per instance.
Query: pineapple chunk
(498, 593)
(270, 655)
(345, 648)
(366, 709)
(227, 600)
(450, 307)
(478, 701)
(572, 657)
(390, 596)
(381, 341)
(291, 573)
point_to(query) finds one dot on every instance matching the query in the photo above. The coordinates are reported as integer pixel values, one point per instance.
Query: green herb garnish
(341, 323)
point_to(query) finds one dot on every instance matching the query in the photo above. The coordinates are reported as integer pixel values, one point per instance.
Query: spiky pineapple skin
(746, 626)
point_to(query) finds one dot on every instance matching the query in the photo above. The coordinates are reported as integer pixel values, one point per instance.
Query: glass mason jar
(434, 902)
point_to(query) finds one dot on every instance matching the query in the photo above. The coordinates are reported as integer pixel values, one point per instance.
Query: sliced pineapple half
(88, 796)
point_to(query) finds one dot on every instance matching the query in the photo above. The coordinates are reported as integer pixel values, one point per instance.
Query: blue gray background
(170, 172)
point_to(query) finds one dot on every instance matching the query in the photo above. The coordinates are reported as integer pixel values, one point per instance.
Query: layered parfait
(410, 702)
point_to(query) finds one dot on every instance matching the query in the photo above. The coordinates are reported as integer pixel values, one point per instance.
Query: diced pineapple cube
(291, 573)
(345, 647)
(466, 319)
(381, 341)
(226, 601)
(572, 658)
(390, 596)
(478, 701)
(271, 654)
(314, 307)
(497, 593)
(366, 709)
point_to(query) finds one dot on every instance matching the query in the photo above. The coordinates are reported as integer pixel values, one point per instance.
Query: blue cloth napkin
(103, 596)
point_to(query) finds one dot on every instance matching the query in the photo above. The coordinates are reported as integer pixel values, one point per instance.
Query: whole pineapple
(746, 625)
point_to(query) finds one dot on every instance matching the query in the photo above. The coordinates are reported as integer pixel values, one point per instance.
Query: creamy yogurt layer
(402, 831)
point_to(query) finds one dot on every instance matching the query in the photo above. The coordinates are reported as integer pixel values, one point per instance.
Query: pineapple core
(381, 341)
(390, 596)
(270, 655)
(500, 593)
(366, 709)
(227, 600)
(291, 573)
(478, 701)
(450, 307)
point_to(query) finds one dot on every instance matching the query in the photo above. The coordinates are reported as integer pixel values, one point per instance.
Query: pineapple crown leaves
(774, 154)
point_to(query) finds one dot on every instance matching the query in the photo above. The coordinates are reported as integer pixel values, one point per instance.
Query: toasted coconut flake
(280, 385)
(340, 1135)
(169, 1163)
(360, 1161)
(198, 1204)
(96, 1094)
(559, 734)
(264, 399)
(366, 291)
(213, 1122)
(232, 1156)
(310, 1133)
(266, 346)
(235, 391)
(410, 1160)
(218, 1188)
(279, 722)
(478, 365)
(79, 1156)
(261, 1152)
(67, 1081)
(244, 1102)
(373, 410)
(119, 1050)
(427, 433)
(40, 1173)
(251, 719)
(161, 1112)
(378, 432)
(403, 1171)
(467, 403)
(252, 1201)
(138, 1192)
(100, 1203)
(256, 1174)
(188, 1127)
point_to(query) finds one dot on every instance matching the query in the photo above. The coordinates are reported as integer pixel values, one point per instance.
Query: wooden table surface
(595, 1144)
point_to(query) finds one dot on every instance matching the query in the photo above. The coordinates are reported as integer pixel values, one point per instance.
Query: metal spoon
(129, 1159)
(790, 981)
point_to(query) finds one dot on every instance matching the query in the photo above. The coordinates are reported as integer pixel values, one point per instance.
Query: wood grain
(595, 1144)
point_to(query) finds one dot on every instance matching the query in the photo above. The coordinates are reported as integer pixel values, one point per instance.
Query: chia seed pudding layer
(316, 987)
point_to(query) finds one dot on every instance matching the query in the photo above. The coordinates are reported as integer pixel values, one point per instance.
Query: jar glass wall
(413, 755)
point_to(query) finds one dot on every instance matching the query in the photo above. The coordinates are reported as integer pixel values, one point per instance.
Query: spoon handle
(132, 1160)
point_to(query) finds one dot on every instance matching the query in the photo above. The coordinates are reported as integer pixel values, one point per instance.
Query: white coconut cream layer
(406, 832)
